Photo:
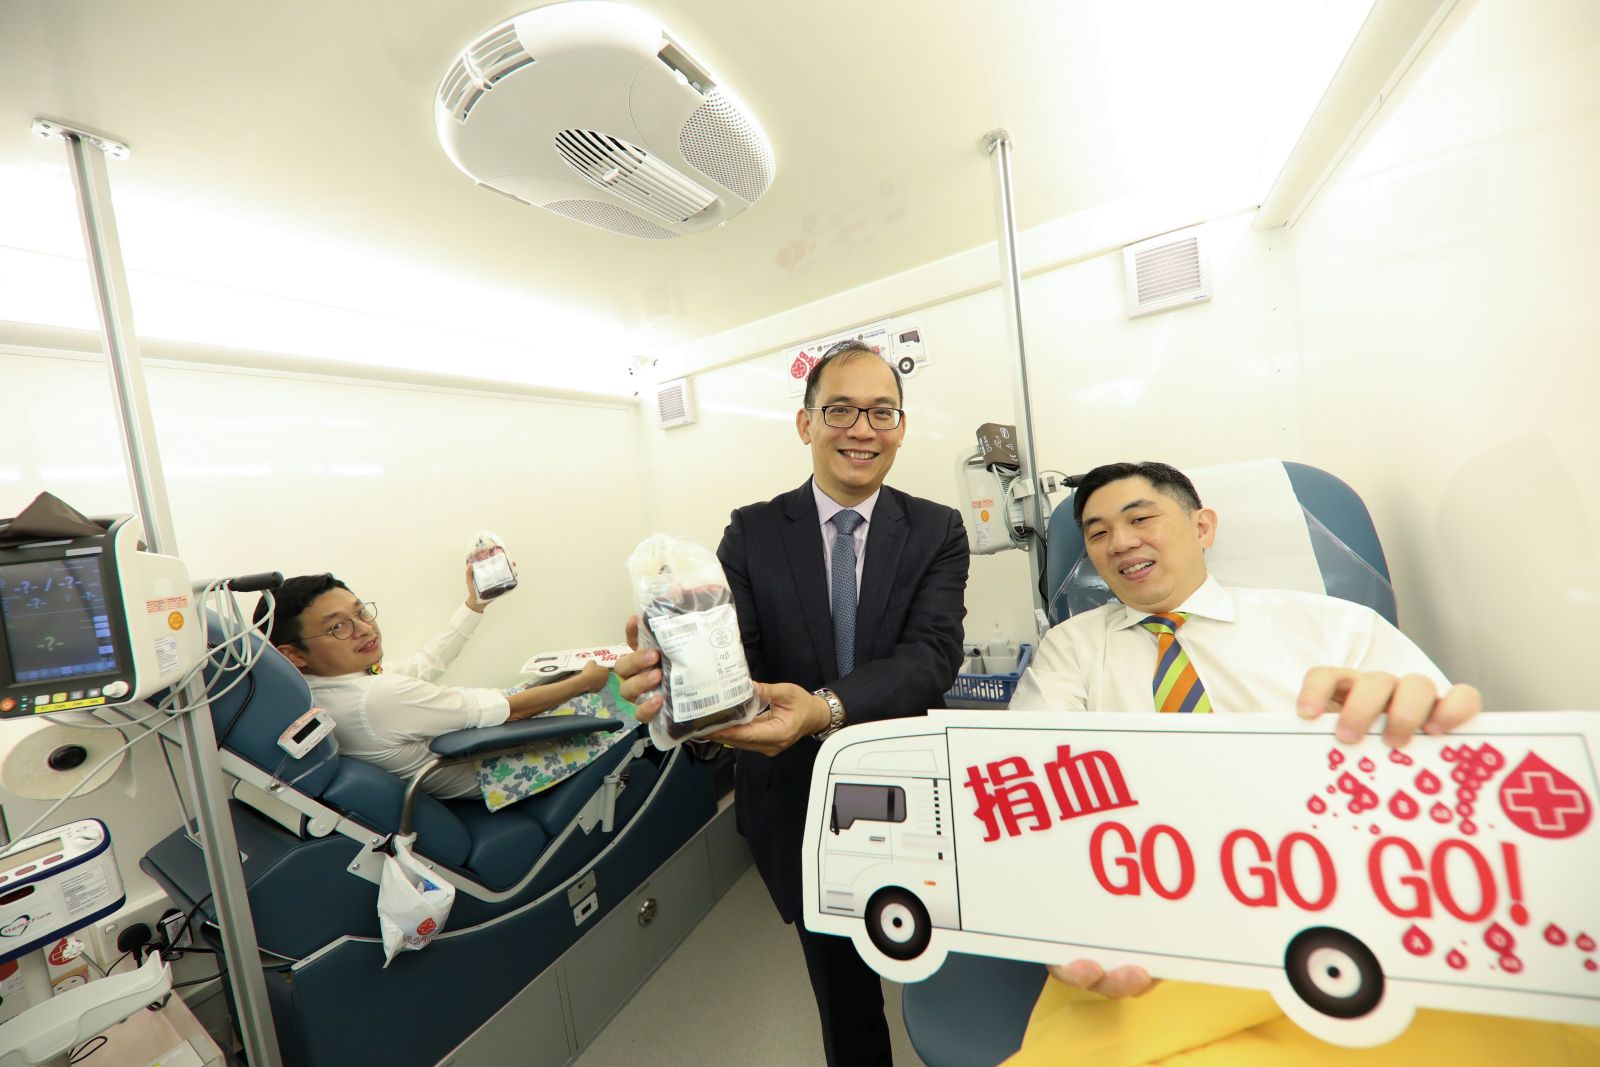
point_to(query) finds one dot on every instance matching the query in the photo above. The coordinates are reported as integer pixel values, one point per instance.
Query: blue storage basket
(991, 688)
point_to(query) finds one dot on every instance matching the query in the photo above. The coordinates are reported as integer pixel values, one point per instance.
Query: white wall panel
(1446, 279)
(381, 485)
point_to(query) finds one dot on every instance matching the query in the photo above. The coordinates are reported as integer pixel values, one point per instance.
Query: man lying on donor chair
(387, 711)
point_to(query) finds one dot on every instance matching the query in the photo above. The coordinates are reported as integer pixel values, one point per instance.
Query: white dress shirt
(827, 508)
(389, 718)
(1250, 647)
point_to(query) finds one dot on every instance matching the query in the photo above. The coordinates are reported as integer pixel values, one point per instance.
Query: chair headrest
(251, 716)
(1279, 526)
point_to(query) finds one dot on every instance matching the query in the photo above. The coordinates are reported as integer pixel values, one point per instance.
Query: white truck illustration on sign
(1354, 883)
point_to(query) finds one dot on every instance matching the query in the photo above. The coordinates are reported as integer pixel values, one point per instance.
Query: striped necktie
(843, 593)
(1175, 684)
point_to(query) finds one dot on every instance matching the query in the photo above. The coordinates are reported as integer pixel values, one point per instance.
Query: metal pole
(998, 144)
(86, 156)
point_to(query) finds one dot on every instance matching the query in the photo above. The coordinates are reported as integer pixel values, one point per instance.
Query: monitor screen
(55, 617)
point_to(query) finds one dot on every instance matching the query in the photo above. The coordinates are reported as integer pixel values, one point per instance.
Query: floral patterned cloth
(508, 779)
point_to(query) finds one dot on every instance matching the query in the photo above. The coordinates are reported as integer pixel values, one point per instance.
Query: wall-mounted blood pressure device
(92, 620)
(55, 882)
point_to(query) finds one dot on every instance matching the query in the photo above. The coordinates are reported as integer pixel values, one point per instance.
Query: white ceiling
(306, 126)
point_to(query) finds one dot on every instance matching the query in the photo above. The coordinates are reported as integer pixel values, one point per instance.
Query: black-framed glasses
(844, 416)
(344, 629)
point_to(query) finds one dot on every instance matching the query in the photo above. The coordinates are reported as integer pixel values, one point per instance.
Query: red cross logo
(1543, 801)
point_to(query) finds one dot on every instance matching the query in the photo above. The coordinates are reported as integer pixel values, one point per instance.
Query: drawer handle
(876, 839)
(647, 911)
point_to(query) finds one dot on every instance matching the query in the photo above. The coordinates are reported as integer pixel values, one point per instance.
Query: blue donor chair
(1283, 525)
(531, 879)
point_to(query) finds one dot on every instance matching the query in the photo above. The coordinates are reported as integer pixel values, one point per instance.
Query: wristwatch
(835, 714)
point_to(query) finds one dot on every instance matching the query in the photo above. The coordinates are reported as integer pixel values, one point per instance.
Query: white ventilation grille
(721, 140)
(632, 174)
(488, 59)
(1166, 272)
(609, 217)
(675, 403)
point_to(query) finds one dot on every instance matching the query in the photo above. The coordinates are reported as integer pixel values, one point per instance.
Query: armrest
(460, 744)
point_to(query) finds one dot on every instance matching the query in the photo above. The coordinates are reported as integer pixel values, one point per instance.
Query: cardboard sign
(1354, 883)
(555, 664)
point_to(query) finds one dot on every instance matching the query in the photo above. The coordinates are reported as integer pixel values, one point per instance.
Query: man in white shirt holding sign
(1227, 650)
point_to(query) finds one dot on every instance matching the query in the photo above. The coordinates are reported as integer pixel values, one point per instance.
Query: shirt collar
(827, 507)
(1210, 601)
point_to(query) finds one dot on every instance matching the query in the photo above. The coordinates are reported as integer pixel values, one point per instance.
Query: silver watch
(835, 714)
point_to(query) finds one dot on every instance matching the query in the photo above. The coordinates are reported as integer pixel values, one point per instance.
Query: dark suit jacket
(908, 642)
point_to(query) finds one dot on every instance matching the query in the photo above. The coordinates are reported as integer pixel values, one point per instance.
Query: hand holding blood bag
(492, 573)
(686, 611)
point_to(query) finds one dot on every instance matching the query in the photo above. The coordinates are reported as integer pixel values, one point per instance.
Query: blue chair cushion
(373, 797)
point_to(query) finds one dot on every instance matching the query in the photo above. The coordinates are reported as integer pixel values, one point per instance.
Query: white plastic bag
(686, 610)
(413, 903)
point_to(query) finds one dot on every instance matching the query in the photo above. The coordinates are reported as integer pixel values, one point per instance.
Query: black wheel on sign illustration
(898, 924)
(1334, 973)
(907, 364)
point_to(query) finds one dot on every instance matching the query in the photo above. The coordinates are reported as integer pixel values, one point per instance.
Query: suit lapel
(802, 542)
(886, 534)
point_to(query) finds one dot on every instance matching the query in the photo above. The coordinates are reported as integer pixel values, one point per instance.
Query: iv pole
(997, 143)
(86, 158)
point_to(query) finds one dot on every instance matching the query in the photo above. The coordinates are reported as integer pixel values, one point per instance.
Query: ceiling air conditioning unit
(592, 110)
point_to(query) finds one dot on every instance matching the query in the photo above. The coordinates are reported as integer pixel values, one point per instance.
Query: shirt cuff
(493, 707)
(465, 621)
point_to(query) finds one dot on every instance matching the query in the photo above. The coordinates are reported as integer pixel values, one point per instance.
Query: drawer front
(531, 1031)
(605, 968)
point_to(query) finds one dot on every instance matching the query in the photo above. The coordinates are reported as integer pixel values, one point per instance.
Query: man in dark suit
(833, 647)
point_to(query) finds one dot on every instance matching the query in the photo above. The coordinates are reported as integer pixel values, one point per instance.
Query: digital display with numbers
(56, 620)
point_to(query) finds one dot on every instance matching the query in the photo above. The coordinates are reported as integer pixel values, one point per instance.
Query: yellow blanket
(1180, 1023)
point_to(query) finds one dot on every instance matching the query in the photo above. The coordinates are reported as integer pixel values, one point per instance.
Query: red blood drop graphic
(1396, 756)
(1589, 964)
(1316, 805)
(426, 927)
(1376, 829)
(1510, 964)
(1467, 794)
(1448, 753)
(799, 368)
(1416, 941)
(1585, 943)
(1348, 783)
(1490, 757)
(1427, 783)
(1499, 938)
(1456, 960)
(1439, 813)
(1519, 912)
(1469, 827)
(1544, 802)
(1335, 757)
(1331, 789)
(1555, 935)
(1366, 765)
(1401, 806)
(1459, 775)
(1464, 810)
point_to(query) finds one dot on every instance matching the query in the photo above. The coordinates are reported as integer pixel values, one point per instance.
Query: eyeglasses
(844, 416)
(344, 629)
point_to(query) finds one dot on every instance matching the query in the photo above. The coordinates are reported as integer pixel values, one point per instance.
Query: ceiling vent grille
(721, 139)
(632, 174)
(675, 403)
(487, 60)
(1166, 272)
(609, 217)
